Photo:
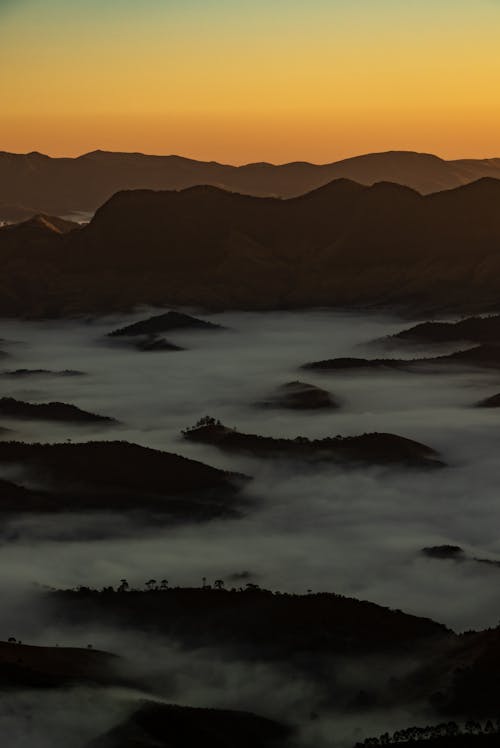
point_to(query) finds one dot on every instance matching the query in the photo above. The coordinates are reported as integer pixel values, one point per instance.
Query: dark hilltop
(376, 448)
(338, 245)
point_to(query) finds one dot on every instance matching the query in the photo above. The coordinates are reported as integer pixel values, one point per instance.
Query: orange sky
(244, 81)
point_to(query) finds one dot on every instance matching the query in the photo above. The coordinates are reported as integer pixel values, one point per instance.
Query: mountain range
(35, 183)
(343, 244)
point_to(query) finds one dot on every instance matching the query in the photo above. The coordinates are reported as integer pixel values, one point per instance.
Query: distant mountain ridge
(63, 186)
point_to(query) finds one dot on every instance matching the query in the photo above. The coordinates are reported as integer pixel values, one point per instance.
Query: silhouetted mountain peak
(490, 185)
(386, 190)
(335, 189)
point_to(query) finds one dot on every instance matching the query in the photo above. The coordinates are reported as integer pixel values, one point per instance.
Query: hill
(23, 666)
(343, 244)
(116, 476)
(54, 411)
(472, 329)
(255, 622)
(374, 449)
(486, 356)
(163, 323)
(158, 725)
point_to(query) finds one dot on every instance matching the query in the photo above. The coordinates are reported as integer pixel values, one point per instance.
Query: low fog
(355, 531)
(321, 710)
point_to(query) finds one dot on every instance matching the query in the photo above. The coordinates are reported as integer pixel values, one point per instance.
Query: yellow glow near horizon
(239, 81)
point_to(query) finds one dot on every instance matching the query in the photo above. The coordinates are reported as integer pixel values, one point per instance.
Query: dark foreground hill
(254, 622)
(157, 725)
(115, 476)
(376, 448)
(343, 244)
(457, 676)
(68, 185)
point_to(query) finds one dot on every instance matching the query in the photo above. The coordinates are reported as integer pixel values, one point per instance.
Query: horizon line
(250, 163)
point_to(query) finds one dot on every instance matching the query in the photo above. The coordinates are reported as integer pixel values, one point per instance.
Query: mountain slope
(343, 244)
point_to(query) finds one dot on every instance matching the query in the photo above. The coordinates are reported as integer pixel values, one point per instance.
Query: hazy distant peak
(52, 223)
(401, 156)
(67, 186)
(258, 165)
(37, 154)
(111, 154)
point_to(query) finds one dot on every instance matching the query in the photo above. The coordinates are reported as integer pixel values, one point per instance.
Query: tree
(164, 584)
(488, 728)
(452, 728)
(206, 421)
(123, 585)
(151, 584)
(219, 584)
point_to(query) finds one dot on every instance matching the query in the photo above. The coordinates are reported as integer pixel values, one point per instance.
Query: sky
(250, 80)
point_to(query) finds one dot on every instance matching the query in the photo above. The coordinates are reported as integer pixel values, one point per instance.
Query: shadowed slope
(472, 329)
(112, 476)
(24, 666)
(342, 244)
(377, 448)
(255, 621)
(54, 411)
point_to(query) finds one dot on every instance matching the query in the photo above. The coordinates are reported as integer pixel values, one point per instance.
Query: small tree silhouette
(219, 584)
(207, 421)
(151, 584)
